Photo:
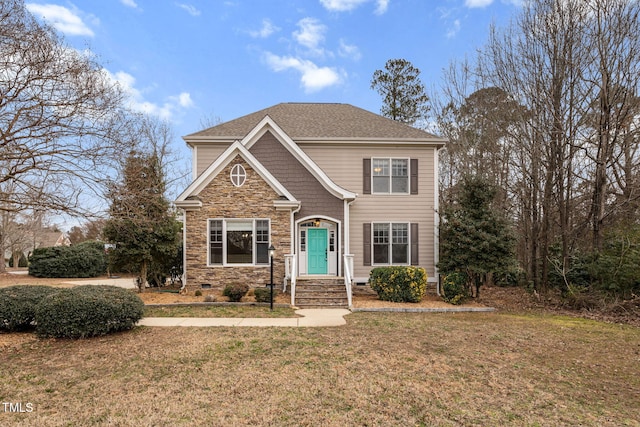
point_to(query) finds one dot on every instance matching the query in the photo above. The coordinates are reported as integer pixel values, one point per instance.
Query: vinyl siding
(343, 164)
(207, 154)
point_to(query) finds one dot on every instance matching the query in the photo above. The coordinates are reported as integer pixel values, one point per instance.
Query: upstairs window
(390, 176)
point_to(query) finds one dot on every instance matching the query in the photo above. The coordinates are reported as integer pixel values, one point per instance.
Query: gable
(189, 198)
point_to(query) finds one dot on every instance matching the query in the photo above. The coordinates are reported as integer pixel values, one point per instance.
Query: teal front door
(317, 250)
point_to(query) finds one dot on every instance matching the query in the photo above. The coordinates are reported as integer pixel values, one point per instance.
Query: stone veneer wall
(221, 199)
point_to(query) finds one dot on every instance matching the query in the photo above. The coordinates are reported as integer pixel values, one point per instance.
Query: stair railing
(294, 275)
(348, 276)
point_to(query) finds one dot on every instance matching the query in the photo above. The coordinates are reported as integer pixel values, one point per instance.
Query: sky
(192, 62)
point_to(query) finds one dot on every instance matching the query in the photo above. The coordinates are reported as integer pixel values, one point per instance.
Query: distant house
(337, 190)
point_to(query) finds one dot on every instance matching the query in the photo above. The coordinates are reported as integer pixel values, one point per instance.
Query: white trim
(338, 241)
(268, 124)
(436, 217)
(223, 161)
(194, 162)
(254, 251)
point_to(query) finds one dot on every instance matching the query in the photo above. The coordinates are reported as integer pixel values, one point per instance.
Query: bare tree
(61, 117)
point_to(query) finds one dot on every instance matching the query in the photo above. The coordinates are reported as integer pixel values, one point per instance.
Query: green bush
(87, 311)
(18, 306)
(86, 259)
(399, 283)
(264, 294)
(235, 291)
(455, 289)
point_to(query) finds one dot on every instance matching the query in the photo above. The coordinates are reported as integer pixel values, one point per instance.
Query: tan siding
(207, 154)
(343, 164)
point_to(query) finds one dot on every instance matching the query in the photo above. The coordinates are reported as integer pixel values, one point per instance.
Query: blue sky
(187, 60)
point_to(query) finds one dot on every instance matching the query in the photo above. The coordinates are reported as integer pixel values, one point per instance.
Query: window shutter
(415, 259)
(414, 176)
(366, 176)
(366, 243)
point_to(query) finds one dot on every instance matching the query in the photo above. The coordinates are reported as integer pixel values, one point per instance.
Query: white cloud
(477, 3)
(64, 20)
(348, 5)
(129, 3)
(341, 5)
(313, 78)
(165, 111)
(191, 10)
(349, 51)
(265, 31)
(311, 34)
(454, 29)
(382, 7)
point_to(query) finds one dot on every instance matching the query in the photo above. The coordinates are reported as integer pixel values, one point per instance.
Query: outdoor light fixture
(317, 222)
(272, 252)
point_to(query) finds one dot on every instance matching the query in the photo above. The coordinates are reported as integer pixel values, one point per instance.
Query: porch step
(321, 293)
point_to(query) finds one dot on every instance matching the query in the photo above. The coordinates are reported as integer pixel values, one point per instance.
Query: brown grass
(381, 369)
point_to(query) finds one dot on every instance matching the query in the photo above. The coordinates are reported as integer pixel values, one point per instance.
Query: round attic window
(238, 175)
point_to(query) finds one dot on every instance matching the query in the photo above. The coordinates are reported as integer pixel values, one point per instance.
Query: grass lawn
(381, 369)
(219, 311)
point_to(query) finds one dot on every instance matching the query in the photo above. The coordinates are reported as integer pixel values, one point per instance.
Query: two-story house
(337, 190)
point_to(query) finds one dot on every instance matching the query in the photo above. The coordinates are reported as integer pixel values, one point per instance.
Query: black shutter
(415, 259)
(366, 243)
(414, 176)
(366, 176)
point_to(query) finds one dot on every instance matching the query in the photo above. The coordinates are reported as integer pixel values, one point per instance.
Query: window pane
(380, 184)
(380, 254)
(262, 231)
(400, 233)
(215, 242)
(262, 253)
(399, 253)
(380, 167)
(400, 176)
(239, 242)
(381, 243)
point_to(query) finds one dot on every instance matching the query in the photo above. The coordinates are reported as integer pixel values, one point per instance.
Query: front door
(317, 250)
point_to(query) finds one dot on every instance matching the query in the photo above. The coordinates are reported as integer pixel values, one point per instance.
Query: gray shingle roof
(321, 121)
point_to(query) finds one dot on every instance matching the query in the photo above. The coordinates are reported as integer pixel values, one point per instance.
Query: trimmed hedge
(18, 306)
(399, 283)
(86, 259)
(454, 288)
(87, 311)
(264, 294)
(235, 291)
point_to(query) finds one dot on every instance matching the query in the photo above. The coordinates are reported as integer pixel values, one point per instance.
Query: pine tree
(474, 238)
(141, 224)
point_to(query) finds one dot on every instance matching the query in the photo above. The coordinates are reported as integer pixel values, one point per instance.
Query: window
(238, 241)
(390, 243)
(238, 175)
(390, 176)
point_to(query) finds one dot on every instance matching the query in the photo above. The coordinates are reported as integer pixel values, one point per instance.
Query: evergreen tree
(475, 239)
(403, 93)
(141, 224)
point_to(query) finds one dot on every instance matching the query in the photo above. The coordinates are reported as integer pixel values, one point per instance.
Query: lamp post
(272, 251)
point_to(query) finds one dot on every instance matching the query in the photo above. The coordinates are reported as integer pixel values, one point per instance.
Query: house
(337, 190)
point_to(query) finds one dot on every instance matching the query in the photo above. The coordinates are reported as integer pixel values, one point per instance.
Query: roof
(318, 121)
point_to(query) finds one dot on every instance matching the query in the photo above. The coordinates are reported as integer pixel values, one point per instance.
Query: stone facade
(221, 199)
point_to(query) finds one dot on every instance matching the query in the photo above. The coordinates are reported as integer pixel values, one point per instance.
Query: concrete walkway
(310, 318)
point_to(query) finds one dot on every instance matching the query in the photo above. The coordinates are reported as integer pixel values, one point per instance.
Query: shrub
(399, 284)
(18, 306)
(198, 293)
(264, 294)
(85, 259)
(454, 288)
(88, 311)
(235, 291)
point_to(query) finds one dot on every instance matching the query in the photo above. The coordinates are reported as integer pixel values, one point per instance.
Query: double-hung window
(390, 176)
(238, 241)
(390, 243)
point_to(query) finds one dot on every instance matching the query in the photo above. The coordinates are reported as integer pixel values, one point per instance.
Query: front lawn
(381, 369)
